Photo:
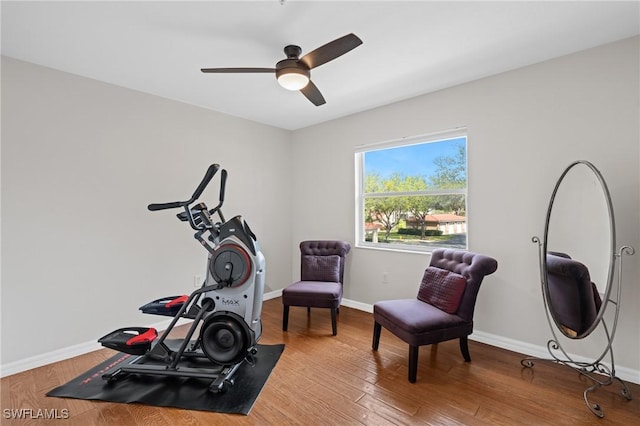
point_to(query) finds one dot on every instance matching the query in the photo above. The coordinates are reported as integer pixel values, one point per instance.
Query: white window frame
(360, 195)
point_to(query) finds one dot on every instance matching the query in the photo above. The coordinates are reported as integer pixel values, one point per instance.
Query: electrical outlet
(197, 281)
(385, 278)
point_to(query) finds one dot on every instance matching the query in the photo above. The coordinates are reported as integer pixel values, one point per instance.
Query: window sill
(395, 248)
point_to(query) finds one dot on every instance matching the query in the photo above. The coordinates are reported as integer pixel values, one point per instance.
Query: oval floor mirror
(578, 260)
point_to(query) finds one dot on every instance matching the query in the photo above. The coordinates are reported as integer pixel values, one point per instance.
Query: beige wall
(81, 160)
(524, 128)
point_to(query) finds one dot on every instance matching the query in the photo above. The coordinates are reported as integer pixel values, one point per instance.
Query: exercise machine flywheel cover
(230, 264)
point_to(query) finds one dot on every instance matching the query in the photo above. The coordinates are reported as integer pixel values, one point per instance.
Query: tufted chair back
(473, 267)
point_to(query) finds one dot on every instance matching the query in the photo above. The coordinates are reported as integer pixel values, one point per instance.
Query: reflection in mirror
(579, 250)
(573, 297)
(577, 261)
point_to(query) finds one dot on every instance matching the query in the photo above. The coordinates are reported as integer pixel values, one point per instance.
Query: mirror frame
(544, 271)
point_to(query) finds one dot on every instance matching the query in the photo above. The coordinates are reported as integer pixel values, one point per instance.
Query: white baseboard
(66, 353)
(272, 294)
(357, 305)
(84, 348)
(528, 349)
(525, 348)
(48, 358)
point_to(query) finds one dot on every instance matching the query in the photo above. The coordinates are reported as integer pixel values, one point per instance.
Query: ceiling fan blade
(313, 94)
(331, 51)
(236, 70)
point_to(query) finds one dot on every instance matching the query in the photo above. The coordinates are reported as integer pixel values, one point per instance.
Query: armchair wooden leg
(334, 322)
(413, 363)
(464, 348)
(285, 318)
(377, 328)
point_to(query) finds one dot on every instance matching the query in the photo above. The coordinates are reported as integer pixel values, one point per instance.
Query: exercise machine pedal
(168, 306)
(130, 340)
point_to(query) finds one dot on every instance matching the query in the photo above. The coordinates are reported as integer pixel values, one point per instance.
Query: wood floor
(326, 380)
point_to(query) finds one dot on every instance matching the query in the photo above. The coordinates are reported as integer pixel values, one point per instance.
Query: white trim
(400, 248)
(416, 193)
(357, 305)
(361, 196)
(84, 348)
(272, 295)
(525, 348)
(414, 140)
(66, 353)
(48, 358)
(528, 349)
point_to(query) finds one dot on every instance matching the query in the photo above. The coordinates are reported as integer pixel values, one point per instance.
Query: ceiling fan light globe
(293, 79)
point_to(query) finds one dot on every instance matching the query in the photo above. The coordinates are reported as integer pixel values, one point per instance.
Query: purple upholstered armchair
(321, 279)
(444, 307)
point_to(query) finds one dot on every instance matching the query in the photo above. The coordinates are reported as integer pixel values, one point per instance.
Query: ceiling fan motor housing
(292, 51)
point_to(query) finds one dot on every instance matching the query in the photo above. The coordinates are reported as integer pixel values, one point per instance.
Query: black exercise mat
(187, 393)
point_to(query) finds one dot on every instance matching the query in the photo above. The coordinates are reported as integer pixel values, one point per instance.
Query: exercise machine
(224, 312)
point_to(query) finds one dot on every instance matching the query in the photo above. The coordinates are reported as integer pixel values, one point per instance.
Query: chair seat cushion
(318, 294)
(419, 323)
(442, 288)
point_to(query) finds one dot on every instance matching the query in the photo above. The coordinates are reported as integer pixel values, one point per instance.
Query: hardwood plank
(176, 416)
(146, 415)
(389, 412)
(328, 380)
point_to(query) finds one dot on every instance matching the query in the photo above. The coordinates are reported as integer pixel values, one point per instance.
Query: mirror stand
(598, 372)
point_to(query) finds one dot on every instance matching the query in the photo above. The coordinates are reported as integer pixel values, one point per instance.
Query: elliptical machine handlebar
(211, 171)
(164, 206)
(202, 221)
(223, 183)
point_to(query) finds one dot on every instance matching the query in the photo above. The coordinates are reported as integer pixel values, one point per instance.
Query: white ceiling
(410, 48)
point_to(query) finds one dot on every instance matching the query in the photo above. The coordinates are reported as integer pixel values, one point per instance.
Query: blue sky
(411, 160)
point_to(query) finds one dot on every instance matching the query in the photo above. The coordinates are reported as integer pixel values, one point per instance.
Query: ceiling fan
(294, 73)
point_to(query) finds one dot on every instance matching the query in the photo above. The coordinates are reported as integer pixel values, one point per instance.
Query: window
(412, 194)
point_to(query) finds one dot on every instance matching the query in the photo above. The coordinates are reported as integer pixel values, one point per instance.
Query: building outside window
(412, 193)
